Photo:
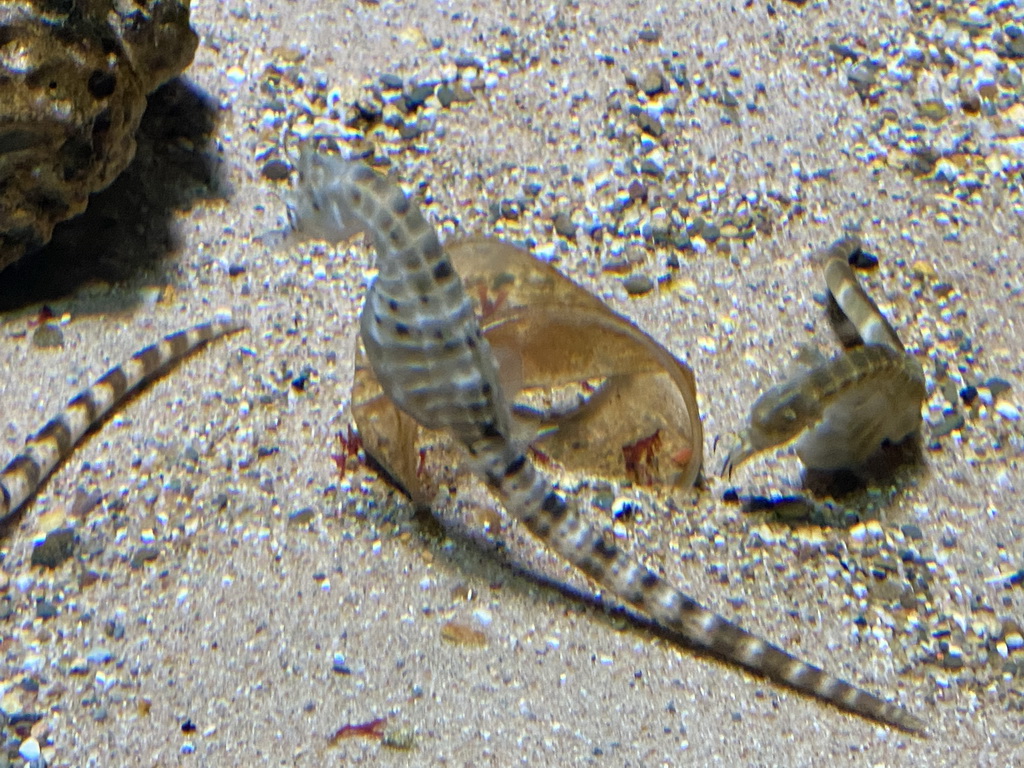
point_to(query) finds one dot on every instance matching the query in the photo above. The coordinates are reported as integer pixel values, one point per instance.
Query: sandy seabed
(233, 601)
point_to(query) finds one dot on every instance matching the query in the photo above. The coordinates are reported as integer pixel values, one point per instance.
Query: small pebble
(53, 550)
(418, 96)
(861, 259)
(649, 35)
(912, 531)
(950, 423)
(1008, 411)
(276, 170)
(564, 226)
(99, 656)
(652, 82)
(144, 555)
(638, 285)
(968, 394)
(338, 665)
(48, 336)
(29, 749)
(997, 386)
(302, 516)
(445, 95)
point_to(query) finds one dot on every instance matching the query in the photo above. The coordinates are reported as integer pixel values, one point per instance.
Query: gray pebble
(649, 35)
(45, 609)
(48, 336)
(912, 531)
(418, 96)
(446, 95)
(410, 131)
(144, 555)
(681, 240)
(276, 170)
(649, 124)
(564, 226)
(652, 82)
(843, 52)
(53, 550)
(651, 167)
(302, 516)
(997, 386)
(532, 188)
(638, 285)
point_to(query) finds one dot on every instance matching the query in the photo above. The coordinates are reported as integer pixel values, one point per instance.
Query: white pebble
(859, 533)
(707, 344)
(1008, 411)
(545, 251)
(29, 749)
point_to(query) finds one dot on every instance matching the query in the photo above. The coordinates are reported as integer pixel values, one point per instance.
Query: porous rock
(74, 75)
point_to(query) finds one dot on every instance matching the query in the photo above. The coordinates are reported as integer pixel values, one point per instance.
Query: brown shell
(74, 75)
(554, 341)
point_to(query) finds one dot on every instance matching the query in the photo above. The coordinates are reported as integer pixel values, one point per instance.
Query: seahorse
(48, 447)
(424, 343)
(841, 411)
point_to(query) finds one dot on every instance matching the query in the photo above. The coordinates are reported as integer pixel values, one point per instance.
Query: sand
(234, 601)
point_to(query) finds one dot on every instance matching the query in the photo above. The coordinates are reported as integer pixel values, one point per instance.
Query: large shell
(579, 372)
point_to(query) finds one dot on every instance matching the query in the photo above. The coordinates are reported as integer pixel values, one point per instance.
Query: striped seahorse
(841, 411)
(48, 447)
(424, 343)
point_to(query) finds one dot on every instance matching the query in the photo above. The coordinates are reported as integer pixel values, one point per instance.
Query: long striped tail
(22, 477)
(862, 321)
(528, 495)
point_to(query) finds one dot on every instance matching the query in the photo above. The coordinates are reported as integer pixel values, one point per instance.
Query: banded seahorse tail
(859, 308)
(529, 496)
(22, 477)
